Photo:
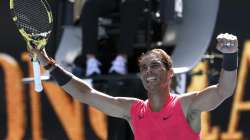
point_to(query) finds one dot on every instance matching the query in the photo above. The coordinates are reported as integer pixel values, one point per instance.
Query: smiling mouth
(150, 79)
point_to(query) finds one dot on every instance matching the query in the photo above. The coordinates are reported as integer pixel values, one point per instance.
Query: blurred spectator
(93, 9)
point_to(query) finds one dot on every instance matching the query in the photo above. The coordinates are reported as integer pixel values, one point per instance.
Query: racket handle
(37, 79)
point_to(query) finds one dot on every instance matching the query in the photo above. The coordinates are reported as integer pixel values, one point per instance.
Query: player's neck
(157, 101)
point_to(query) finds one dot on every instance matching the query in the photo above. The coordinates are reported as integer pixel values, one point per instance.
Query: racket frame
(31, 42)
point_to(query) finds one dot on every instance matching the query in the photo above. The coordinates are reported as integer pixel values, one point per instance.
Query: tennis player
(163, 116)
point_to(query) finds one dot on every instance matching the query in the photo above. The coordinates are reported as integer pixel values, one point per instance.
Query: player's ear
(171, 73)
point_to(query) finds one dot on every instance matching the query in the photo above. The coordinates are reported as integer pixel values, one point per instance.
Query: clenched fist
(227, 43)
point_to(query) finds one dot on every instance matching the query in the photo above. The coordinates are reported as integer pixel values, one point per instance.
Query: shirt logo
(166, 118)
(140, 116)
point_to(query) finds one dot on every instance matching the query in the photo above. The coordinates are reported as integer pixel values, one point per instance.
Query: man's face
(153, 72)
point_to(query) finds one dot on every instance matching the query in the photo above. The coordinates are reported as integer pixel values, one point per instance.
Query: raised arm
(78, 89)
(214, 95)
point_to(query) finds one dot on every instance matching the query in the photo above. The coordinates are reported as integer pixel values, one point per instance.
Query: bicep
(112, 106)
(205, 100)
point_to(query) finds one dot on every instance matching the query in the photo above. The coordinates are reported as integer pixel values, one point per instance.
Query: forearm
(227, 83)
(74, 86)
(228, 76)
(78, 89)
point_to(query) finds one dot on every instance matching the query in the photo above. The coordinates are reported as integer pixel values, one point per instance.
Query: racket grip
(37, 79)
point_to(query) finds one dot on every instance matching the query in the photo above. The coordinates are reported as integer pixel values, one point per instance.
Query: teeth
(151, 78)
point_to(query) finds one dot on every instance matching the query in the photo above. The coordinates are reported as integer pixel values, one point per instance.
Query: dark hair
(165, 58)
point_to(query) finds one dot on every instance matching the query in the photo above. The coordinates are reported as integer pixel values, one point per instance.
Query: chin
(152, 86)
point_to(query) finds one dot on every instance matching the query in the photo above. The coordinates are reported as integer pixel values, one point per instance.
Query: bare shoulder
(187, 98)
(126, 103)
(113, 106)
(127, 100)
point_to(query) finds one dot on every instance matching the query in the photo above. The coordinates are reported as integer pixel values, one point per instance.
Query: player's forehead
(150, 58)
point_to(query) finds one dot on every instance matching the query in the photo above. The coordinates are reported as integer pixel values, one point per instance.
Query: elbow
(226, 92)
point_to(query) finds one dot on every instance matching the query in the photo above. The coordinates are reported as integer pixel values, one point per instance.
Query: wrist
(230, 61)
(60, 75)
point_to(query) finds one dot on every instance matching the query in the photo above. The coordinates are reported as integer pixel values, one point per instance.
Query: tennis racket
(34, 21)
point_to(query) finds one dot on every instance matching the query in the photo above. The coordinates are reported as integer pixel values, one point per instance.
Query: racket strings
(32, 16)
